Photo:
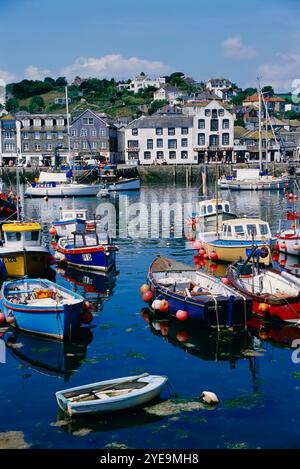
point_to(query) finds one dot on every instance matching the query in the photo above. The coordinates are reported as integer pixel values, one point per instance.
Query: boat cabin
(73, 214)
(22, 234)
(246, 228)
(209, 207)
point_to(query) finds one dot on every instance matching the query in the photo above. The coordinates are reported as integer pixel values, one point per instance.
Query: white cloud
(282, 72)
(233, 48)
(34, 73)
(113, 65)
(7, 77)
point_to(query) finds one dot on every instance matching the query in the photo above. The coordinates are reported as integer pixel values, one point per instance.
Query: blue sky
(238, 40)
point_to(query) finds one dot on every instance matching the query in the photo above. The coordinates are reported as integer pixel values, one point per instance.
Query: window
(226, 208)
(184, 130)
(134, 132)
(76, 145)
(159, 155)
(37, 147)
(48, 122)
(37, 135)
(210, 209)
(150, 144)
(26, 123)
(8, 134)
(25, 146)
(184, 155)
(133, 155)
(9, 147)
(214, 125)
(83, 133)
(172, 143)
(84, 145)
(172, 155)
(239, 230)
(159, 131)
(201, 124)
(60, 135)
(171, 131)
(93, 133)
(32, 235)
(48, 135)
(73, 133)
(25, 135)
(37, 122)
(60, 122)
(94, 145)
(221, 112)
(251, 230)
(207, 112)
(88, 121)
(184, 142)
(229, 230)
(214, 114)
(159, 143)
(13, 236)
(133, 143)
(213, 140)
(201, 140)
(264, 229)
(225, 123)
(102, 132)
(225, 139)
(103, 145)
(49, 146)
(147, 155)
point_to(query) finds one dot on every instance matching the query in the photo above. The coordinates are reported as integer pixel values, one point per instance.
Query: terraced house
(10, 139)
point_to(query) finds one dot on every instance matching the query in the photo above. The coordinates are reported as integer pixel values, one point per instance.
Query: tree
(239, 123)
(49, 80)
(61, 81)
(36, 104)
(12, 105)
(156, 105)
(268, 89)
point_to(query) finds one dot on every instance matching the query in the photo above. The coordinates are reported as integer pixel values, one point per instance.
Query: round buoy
(201, 252)
(282, 262)
(205, 256)
(213, 256)
(52, 231)
(164, 328)
(263, 307)
(51, 260)
(46, 198)
(182, 315)
(276, 247)
(2, 318)
(209, 398)
(10, 319)
(275, 256)
(225, 280)
(144, 288)
(182, 336)
(86, 317)
(283, 246)
(156, 305)
(147, 296)
(213, 267)
(197, 245)
(164, 306)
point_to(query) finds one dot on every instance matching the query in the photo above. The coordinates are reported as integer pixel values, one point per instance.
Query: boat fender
(209, 398)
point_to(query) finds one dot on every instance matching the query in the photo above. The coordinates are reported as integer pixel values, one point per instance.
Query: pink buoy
(197, 245)
(283, 246)
(52, 231)
(182, 315)
(213, 256)
(2, 318)
(201, 252)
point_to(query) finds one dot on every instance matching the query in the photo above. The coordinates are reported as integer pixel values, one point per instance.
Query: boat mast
(68, 126)
(259, 128)
(217, 197)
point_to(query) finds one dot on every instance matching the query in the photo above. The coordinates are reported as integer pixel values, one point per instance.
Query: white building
(2, 92)
(292, 107)
(203, 132)
(141, 82)
(167, 92)
(160, 138)
(221, 87)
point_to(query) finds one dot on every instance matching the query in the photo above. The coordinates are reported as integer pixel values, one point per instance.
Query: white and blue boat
(69, 220)
(86, 251)
(42, 307)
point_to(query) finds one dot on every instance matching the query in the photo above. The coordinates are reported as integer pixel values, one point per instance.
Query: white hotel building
(203, 131)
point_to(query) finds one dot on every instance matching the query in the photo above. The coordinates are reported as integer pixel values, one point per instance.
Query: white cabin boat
(58, 185)
(110, 396)
(208, 209)
(69, 219)
(251, 180)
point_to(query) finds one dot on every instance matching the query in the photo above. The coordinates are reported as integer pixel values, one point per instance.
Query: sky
(239, 40)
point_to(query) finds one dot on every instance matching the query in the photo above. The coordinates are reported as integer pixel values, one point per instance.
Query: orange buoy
(201, 252)
(147, 296)
(164, 328)
(182, 315)
(144, 288)
(164, 306)
(213, 256)
(213, 267)
(263, 307)
(52, 231)
(156, 305)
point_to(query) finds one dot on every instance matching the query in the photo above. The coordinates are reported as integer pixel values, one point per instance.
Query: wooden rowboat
(112, 395)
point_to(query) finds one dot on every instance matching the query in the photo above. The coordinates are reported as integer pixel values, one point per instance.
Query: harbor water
(255, 375)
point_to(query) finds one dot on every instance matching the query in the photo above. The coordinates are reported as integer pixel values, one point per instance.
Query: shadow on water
(49, 356)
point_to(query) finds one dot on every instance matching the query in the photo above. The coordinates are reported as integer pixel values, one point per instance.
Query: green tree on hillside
(12, 105)
(36, 104)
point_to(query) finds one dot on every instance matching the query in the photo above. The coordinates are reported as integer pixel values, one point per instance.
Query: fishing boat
(236, 237)
(207, 212)
(86, 251)
(68, 221)
(59, 185)
(8, 207)
(274, 295)
(249, 179)
(288, 241)
(22, 252)
(42, 307)
(191, 294)
(111, 395)
(112, 182)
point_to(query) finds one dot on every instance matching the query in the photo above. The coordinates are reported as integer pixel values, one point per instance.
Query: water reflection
(48, 356)
(91, 282)
(286, 262)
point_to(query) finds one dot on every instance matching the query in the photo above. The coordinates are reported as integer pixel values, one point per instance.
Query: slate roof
(162, 121)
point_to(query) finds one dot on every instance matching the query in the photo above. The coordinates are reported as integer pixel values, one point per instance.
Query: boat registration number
(11, 259)
(87, 257)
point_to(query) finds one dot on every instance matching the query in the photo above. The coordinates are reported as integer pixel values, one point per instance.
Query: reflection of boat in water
(48, 356)
(281, 336)
(286, 262)
(224, 346)
(92, 282)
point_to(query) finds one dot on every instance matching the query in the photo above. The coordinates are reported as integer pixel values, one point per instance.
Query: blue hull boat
(42, 307)
(194, 295)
